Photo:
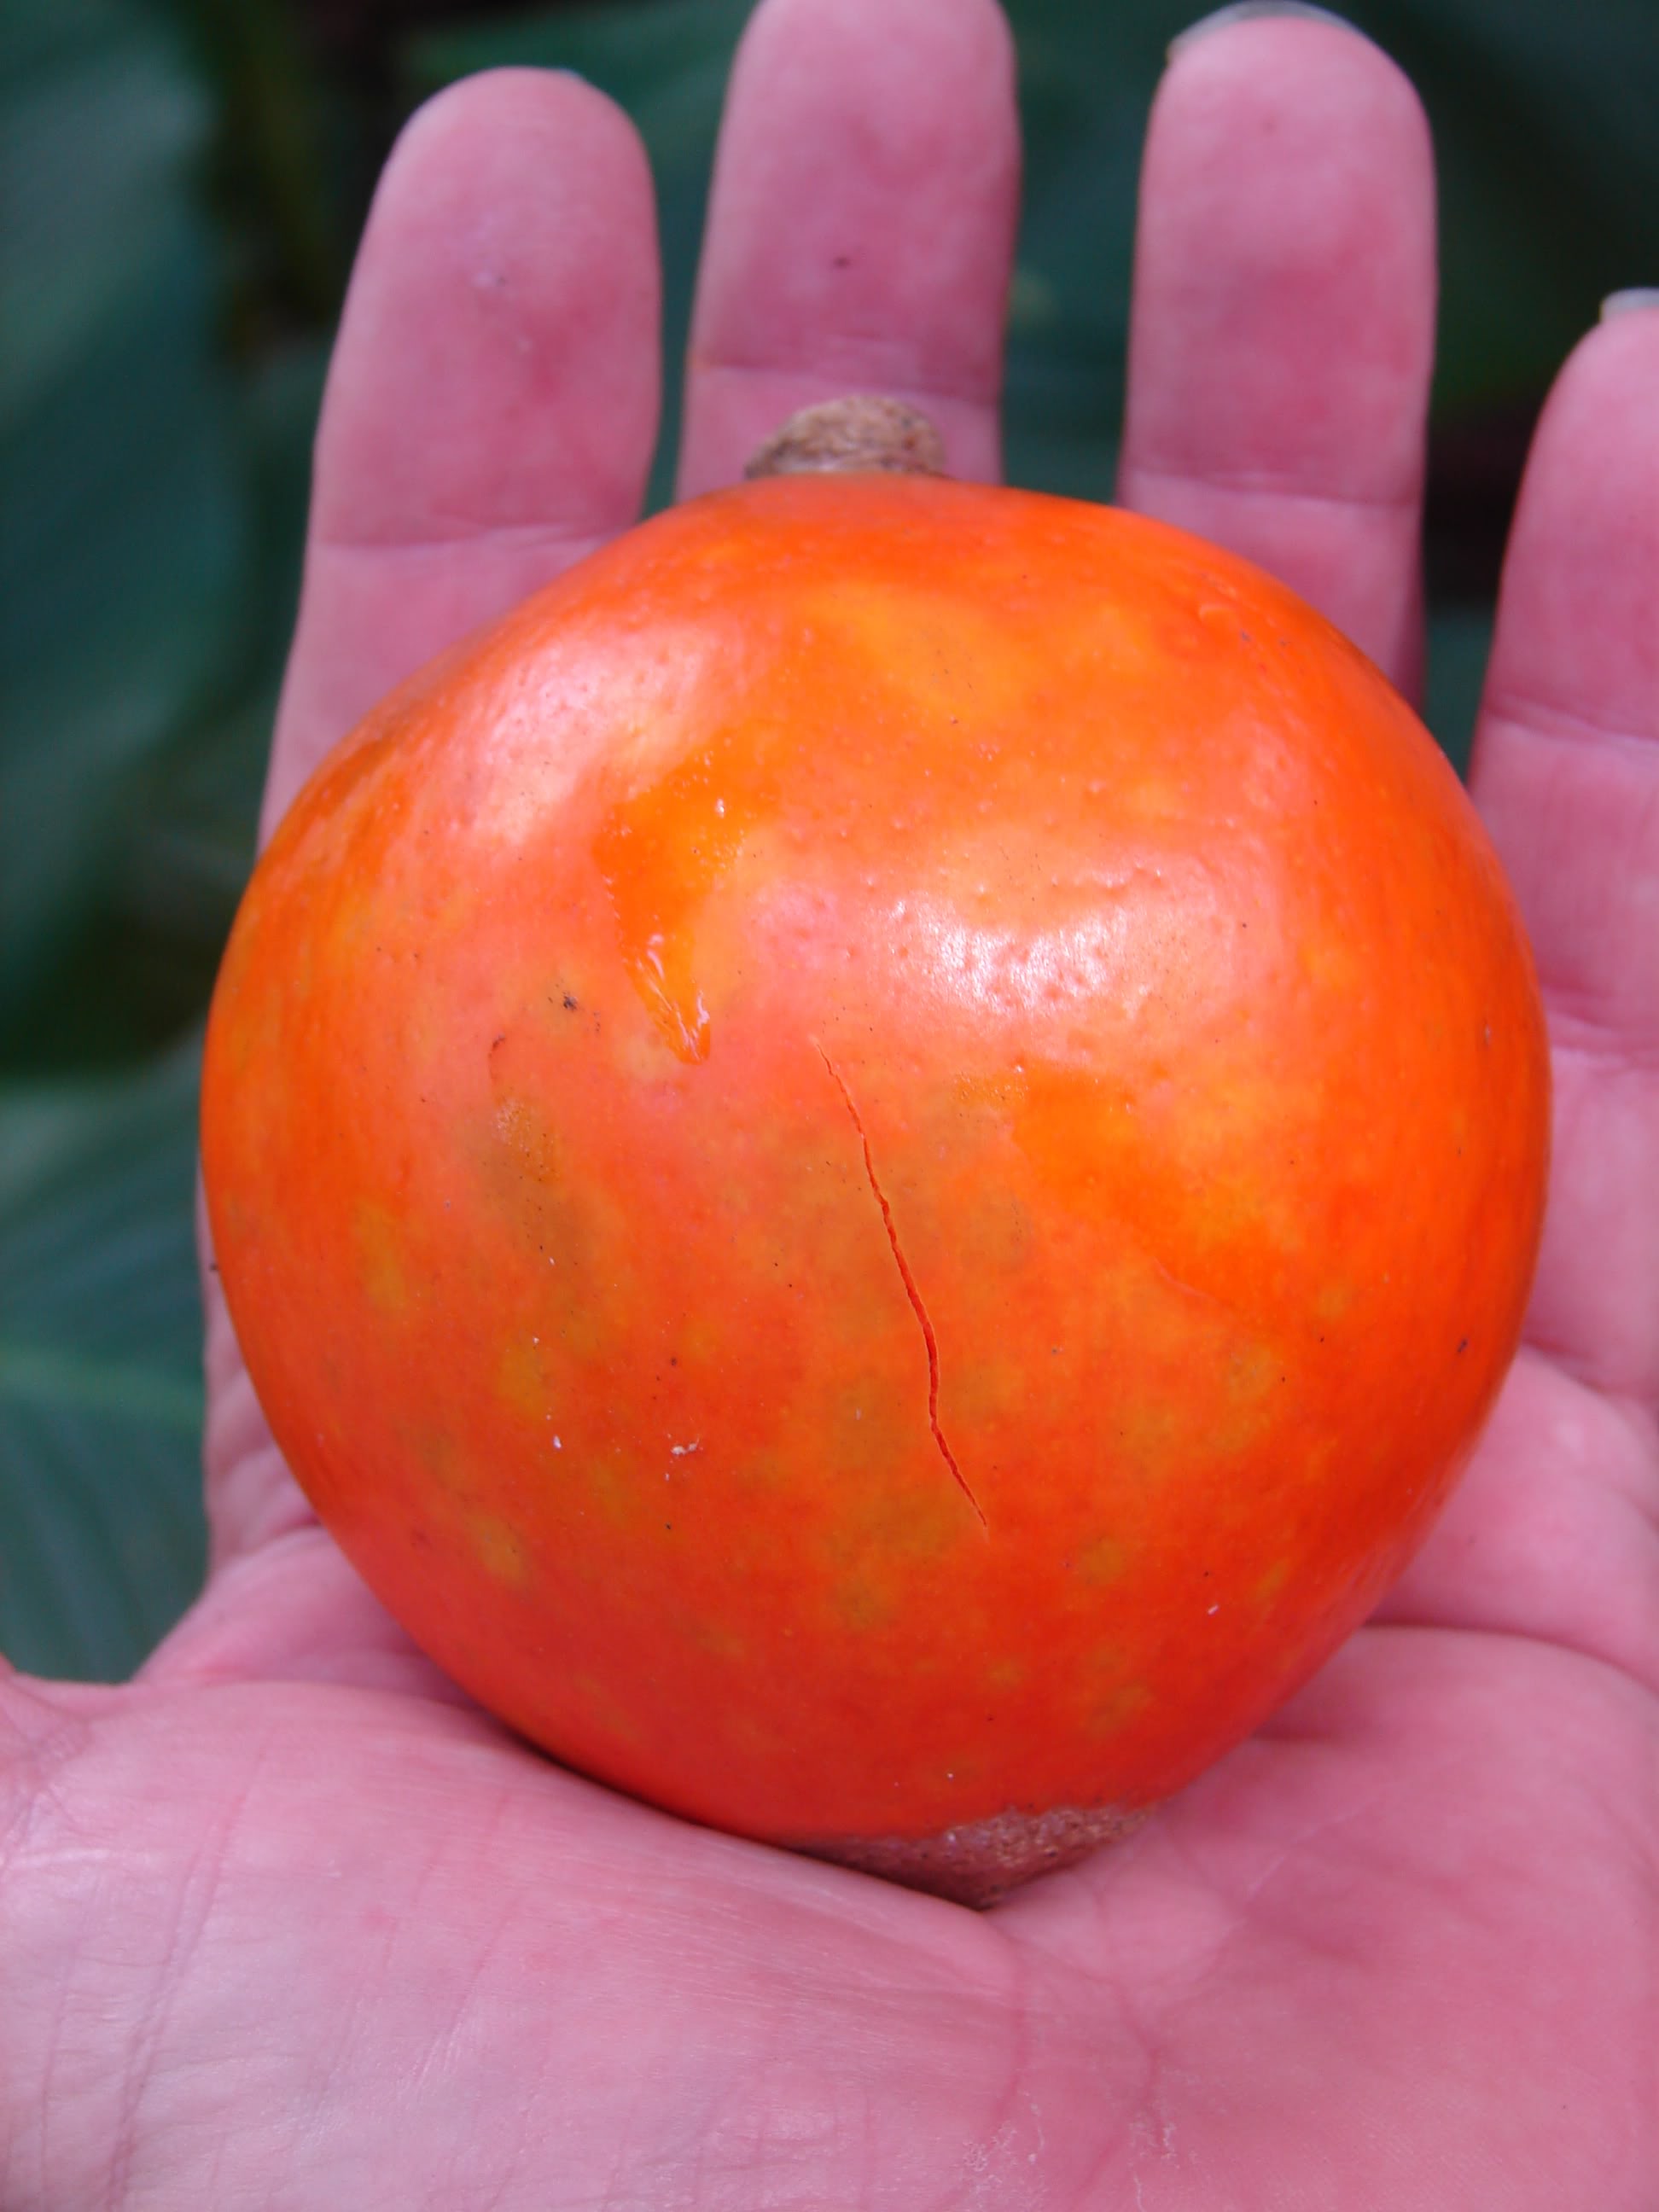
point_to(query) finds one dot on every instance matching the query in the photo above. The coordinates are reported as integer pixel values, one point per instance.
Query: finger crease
(1533, 715)
(1238, 484)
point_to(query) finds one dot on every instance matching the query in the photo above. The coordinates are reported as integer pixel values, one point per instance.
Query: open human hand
(288, 1923)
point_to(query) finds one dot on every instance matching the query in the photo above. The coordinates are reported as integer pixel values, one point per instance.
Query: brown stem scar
(910, 1290)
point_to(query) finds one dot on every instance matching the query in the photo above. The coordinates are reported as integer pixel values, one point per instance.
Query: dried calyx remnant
(844, 437)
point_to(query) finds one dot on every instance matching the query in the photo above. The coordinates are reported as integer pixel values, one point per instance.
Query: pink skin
(288, 1923)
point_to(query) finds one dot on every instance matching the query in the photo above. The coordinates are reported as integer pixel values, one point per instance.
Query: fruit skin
(878, 1162)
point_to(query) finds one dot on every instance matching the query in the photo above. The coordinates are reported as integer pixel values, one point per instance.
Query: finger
(492, 403)
(1566, 773)
(861, 226)
(490, 414)
(1283, 322)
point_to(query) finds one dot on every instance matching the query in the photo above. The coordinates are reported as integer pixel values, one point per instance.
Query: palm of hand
(287, 1922)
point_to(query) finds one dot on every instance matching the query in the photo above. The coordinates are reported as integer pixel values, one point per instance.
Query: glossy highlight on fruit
(878, 1162)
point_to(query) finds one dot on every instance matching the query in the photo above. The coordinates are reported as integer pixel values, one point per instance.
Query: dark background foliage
(182, 181)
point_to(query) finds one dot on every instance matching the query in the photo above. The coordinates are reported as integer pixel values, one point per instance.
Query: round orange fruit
(877, 1160)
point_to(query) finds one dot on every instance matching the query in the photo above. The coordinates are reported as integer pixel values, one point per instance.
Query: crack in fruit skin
(910, 1291)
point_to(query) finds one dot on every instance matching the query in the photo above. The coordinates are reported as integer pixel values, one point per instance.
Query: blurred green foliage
(182, 181)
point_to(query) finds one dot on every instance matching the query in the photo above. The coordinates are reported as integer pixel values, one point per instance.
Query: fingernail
(1631, 302)
(1250, 11)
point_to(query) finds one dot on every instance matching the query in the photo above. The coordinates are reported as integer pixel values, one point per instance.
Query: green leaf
(101, 1535)
(136, 970)
(123, 547)
(1459, 646)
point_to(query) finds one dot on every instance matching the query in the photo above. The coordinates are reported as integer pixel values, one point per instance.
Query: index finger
(492, 400)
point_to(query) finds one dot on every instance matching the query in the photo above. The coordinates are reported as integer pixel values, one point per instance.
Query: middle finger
(860, 227)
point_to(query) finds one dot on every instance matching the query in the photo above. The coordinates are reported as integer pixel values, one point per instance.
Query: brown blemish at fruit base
(910, 1291)
(981, 1861)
